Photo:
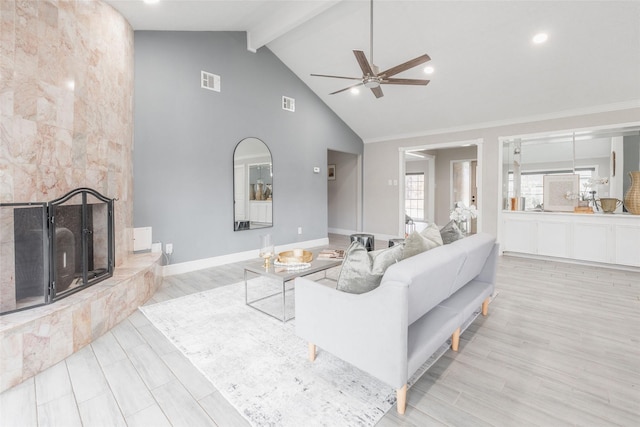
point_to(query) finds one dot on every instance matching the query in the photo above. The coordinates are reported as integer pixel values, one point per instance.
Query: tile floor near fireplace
(35, 339)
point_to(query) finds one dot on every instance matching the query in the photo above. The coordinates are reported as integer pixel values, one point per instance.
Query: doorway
(439, 191)
(344, 192)
(464, 186)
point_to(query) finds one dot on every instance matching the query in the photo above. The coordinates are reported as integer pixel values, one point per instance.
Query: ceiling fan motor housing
(371, 82)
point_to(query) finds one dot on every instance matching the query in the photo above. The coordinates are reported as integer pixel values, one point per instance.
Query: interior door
(473, 191)
(464, 186)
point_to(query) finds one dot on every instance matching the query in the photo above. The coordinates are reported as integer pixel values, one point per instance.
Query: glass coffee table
(267, 292)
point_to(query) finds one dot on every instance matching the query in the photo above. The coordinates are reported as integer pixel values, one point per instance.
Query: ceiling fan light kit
(372, 78)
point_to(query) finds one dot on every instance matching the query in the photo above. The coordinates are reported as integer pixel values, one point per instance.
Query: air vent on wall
(288, 104)
(209, 81)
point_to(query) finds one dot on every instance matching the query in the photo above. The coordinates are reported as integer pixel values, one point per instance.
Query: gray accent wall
(185, 136)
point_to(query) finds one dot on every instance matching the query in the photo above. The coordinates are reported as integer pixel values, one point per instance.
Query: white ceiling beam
(275, 25)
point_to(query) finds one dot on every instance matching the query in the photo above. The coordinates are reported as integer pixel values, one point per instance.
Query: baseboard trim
(571, 261)
(341, 231)
(200, 264)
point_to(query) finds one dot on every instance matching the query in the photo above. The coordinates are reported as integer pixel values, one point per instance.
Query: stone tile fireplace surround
(66, 105)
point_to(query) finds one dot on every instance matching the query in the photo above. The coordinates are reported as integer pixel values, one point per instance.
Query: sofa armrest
(368, 330)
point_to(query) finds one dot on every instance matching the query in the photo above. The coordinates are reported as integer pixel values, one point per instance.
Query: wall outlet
(299, 230)
(168, 248)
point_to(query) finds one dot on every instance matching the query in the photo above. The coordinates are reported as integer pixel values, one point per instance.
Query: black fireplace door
(81, 238)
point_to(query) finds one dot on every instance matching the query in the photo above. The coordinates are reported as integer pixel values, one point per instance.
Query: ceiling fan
(372, 78)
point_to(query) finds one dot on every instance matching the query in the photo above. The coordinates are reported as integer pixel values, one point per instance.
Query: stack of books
(331, 254)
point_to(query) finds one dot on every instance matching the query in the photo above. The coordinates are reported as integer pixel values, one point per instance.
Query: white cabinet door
(520, 236)
(591, 242)
(627, 246)
(553, 238)
(269, 212)
(261, 212)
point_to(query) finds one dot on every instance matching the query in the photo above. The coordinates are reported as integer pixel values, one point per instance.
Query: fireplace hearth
(53, 249)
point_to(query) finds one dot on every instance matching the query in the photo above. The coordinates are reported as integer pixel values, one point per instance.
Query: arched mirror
(252, 185)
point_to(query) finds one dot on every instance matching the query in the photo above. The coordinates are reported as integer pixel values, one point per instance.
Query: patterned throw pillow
(451, 232)
(428, 238)
(362, 271)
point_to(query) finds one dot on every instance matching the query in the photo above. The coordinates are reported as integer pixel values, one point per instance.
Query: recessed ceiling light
(355, 90)
(540, 38)
(429, 69)
(151, 1)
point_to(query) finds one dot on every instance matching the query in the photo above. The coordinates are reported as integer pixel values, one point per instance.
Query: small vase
(632, 198)
(463, 226)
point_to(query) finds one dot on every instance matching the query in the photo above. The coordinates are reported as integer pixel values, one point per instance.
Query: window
(531, 183)
(414, 195)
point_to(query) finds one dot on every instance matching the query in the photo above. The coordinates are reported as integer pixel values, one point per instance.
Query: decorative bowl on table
(289, 257)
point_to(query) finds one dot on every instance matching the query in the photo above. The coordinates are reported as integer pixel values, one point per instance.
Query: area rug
(261, 367)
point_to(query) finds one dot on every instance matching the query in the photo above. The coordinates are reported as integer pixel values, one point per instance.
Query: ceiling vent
(209, 81)
(288, 104)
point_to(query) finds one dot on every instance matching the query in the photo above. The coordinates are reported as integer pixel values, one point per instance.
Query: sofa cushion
(428, 238)
(362, 271)
(450, 233)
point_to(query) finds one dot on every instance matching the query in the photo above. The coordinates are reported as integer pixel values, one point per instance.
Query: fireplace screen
(51, 250)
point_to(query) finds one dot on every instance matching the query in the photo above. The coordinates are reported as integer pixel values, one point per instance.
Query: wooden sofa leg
(455, 340)
(485, 306)
(401, 395)
(312, 352)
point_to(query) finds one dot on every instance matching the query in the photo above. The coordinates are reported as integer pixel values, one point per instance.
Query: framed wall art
(331, 172)
(561, 192)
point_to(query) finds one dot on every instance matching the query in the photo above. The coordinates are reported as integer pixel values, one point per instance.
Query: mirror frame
(246, 224)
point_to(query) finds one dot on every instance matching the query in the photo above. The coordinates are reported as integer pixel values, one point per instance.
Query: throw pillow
(428, 238)
(451, 232)
(362, 271)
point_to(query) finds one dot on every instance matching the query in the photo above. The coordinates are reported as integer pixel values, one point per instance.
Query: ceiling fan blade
(377, 91)
(337, 77)
(405, 82)
(346, 88)
(405, 66)
(364, 64)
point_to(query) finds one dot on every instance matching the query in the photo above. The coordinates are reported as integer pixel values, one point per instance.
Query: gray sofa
(391, 331)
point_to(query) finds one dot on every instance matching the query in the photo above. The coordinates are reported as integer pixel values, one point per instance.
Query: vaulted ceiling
(487, 70)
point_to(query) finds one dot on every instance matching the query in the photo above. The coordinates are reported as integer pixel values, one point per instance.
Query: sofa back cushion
(476, 250)
(362, 271)
(429, 276)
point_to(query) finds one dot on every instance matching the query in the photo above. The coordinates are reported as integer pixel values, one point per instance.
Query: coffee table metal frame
(283, 275)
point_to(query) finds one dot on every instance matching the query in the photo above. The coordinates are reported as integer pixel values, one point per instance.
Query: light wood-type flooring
(560, 347)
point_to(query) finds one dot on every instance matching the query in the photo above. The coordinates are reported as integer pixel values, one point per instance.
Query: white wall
(381, 163)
